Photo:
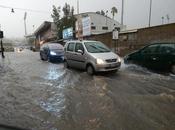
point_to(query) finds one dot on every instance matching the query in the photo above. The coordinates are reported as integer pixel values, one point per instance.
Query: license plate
(113, 65)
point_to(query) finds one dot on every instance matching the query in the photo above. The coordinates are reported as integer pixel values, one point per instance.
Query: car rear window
(55, 46)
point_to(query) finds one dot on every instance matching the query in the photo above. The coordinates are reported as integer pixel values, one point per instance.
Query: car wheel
(90, 70)
(114, 71)
(173, 69)
(49, 59)
(66, 64)
(41, 57)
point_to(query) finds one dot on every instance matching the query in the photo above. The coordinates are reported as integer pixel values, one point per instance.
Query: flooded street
(40, 95)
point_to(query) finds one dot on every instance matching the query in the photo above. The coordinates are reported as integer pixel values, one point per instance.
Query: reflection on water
(58, 81)
(55, 104)
(54, 73)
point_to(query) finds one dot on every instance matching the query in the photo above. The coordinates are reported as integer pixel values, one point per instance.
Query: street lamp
(150, 12)
(168, 18)
(162, 19)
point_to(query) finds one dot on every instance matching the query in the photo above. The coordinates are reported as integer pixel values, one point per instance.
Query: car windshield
(96, 47)
(55, 46)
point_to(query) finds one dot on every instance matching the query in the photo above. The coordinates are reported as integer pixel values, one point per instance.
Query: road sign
(115, 35)
(1, 34)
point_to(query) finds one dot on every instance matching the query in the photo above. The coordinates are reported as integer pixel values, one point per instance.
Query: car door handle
(154, 58)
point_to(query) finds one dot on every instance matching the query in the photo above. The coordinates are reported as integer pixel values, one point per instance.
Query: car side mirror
(80, 51)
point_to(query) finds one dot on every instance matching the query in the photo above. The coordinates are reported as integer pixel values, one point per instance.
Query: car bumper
(108, 67)
(56, 58)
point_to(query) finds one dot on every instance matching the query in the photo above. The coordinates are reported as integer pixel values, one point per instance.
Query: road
(44, 96)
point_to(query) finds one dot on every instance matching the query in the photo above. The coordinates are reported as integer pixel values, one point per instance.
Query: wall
(133, 40)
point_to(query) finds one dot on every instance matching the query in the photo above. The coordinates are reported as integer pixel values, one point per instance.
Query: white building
(98, 23)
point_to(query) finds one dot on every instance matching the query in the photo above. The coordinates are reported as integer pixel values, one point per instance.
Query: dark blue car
(52, 52)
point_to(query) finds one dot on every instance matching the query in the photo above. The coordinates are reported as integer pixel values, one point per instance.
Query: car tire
(114, 71)
(41, 57)
(173, 68)
(49, 59)
(90, 70)
(66, 64)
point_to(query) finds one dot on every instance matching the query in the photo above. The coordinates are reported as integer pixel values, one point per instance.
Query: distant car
(52, 52)
(160, 56)
(93, 56)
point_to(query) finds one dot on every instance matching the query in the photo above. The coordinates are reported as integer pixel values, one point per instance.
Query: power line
(22, 9)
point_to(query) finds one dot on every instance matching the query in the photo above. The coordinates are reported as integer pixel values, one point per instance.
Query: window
(152, 49)
(79, 46)
(70, 47)
(93, 27)
(105, 28)
(167, 48)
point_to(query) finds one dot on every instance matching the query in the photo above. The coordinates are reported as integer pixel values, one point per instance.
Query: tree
(114, 11)
(66, 10)
(67, 21)
(56, 19)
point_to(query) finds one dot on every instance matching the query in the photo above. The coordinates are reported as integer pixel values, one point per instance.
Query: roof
(95, 14)
(42, 27)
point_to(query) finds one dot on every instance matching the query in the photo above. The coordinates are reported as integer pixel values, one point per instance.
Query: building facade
(98, 24)
(45, 32)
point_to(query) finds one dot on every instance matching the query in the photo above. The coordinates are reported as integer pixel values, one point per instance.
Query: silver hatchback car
(92, 56)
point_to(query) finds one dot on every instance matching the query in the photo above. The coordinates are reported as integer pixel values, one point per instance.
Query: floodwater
(40, 95)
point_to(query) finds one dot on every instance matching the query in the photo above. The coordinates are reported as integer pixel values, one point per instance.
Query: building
(95, 23)
(44, 33)
(90, 23)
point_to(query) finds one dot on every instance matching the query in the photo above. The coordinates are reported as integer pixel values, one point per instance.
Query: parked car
(159, 56)
(52, 52)
(92, 56)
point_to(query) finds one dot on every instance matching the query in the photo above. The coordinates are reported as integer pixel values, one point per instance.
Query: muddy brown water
(44, 96)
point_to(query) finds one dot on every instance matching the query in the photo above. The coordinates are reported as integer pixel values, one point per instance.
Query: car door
(167, 55)
(79, 56)
(150, 56)
(70, 54)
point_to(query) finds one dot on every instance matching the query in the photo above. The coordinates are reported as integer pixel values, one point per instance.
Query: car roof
(54, 45)
(82, 41)
(162, 43)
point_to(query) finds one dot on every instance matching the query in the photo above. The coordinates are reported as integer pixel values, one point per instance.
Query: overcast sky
(136, 12)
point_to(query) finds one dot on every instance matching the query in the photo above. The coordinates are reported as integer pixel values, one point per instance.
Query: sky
(136, 13)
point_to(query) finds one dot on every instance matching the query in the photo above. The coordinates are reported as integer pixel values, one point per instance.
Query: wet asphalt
(39, 95)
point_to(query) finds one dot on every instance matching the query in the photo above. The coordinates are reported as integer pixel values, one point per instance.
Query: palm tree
(114, 11)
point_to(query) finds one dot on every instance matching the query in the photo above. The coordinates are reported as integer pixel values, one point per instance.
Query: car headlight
(119, 59)
(53, 53)
(100, 61)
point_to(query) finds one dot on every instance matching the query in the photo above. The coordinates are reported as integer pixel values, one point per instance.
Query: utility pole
(150, 13)
(2, 48)
(122, 12)
(78, 7)
(25, 16)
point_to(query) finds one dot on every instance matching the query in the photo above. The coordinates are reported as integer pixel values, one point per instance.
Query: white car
(93, 56)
